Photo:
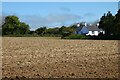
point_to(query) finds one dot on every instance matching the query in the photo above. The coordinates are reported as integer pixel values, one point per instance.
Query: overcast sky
(51, 14)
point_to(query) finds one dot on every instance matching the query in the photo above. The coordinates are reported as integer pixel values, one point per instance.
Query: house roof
(90, 28)
(93, 28)
(78, 28)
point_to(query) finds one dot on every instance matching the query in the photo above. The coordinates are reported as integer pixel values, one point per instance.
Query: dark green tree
(61, 29)
(24, 28)
(117, 23)
(107, 24)
(73, 26)
(54, 31)
(13, 26)
(41, 30)
(10, 23)
(66, 31)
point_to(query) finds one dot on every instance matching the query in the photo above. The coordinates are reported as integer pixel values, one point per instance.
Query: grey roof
(90, 28)
(93, 28)
(78, 28)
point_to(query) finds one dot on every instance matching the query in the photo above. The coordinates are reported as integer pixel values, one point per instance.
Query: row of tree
(57, 31)
(12, 26)
(110, 24)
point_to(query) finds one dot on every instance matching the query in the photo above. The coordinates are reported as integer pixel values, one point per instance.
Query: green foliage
(12, 20)
(117, 23)
(111, 24)
(53, 31)
(66, 31)
(41, 30)
(76, 36)
(13, 26)
(106, 23)
(24, 28)
(73, 26)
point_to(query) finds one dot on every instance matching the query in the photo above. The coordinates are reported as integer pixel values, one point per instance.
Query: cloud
(50, 20)
(65, 9)
(2, 19)
(89, 14)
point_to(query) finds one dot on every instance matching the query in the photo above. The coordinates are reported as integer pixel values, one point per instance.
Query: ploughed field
(37, 57)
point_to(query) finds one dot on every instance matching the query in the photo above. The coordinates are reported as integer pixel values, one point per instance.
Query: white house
(91, 30)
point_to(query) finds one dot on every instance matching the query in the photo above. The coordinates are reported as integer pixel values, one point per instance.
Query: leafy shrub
(76, 36)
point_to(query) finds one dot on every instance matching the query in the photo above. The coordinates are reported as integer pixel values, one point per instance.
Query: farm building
(91, 30)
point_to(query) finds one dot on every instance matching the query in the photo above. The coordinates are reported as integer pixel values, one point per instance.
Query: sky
(57, 14)
(119, 5)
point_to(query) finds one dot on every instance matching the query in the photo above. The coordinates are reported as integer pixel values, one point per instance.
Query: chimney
(78, 25)
(85, 24)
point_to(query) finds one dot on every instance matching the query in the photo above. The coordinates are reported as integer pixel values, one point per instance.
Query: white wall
(93, 33)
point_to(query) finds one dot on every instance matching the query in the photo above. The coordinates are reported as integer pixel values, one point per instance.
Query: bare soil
(37, 57)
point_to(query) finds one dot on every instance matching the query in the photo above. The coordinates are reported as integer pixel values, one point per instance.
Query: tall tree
(41, 30)
(13, 26)
(107, 23)
(54, 31)
(117, 23)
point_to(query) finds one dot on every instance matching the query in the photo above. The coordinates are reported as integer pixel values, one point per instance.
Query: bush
(105, 37)
(20, 35)
(76, 36)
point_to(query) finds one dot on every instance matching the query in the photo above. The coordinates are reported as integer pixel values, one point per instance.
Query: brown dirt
(37, 57)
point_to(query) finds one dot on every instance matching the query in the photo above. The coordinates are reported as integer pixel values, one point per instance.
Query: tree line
(110, 24)
(13, 26)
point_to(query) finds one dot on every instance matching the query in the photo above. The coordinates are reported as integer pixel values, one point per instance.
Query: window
(93, 32)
